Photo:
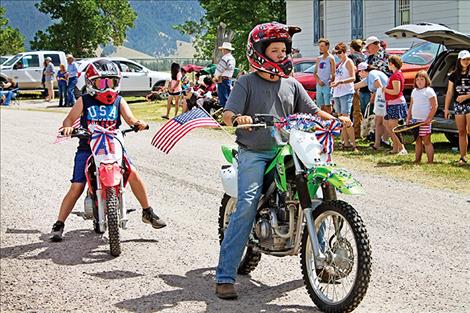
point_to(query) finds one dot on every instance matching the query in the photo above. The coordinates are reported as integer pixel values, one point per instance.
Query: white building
(344, 20)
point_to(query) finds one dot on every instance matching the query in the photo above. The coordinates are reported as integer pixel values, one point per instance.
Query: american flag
(175, 129)
(60, 137)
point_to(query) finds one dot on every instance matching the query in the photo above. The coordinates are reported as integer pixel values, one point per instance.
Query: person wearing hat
(374, 80)
(72, 75)
(377, 57)
(49, 79)
(224, 73)
(458, 92)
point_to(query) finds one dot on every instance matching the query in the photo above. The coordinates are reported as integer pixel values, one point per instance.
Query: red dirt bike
(107, 172)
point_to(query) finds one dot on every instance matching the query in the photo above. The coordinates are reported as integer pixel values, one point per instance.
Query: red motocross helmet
(102, 80)
(259, 39)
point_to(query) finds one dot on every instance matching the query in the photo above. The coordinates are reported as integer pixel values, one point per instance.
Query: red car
(303, 72)
(416, 59)
(307, 79)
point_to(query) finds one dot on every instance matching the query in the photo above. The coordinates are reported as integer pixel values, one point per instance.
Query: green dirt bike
(298, 212)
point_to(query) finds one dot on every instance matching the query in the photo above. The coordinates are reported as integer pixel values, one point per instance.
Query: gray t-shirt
(254, 95)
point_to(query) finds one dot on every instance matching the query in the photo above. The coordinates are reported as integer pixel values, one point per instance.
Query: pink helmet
(102, 80)
(259, 39)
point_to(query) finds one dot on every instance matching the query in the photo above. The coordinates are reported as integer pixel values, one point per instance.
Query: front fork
(101, 197)
(308, 207)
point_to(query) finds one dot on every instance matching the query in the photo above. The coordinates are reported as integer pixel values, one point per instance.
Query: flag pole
(221, 127)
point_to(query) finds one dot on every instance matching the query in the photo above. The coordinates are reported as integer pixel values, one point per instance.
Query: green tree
(240, 16)
(11, 40)
(82, 25)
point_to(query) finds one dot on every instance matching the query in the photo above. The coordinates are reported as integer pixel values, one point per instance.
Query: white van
(26, 67)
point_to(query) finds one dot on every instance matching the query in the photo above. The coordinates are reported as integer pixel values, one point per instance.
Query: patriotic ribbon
(326, 134)
(309, 123)
(103, 140)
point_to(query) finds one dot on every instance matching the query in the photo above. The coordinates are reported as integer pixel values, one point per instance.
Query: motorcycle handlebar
(84, 133)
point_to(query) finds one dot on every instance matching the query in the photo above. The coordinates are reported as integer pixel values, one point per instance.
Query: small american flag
(60, 137)
(175, 129)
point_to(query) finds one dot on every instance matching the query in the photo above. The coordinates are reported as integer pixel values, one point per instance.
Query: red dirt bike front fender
(110, 174)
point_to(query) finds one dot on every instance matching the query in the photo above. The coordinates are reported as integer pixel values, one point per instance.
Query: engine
(275, 225)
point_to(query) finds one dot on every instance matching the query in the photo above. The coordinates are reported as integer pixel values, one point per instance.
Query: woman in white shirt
(343, 92)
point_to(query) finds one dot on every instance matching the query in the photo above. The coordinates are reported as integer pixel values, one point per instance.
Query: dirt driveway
(419, 236)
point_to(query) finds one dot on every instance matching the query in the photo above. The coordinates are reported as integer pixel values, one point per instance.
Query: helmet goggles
(103, 83)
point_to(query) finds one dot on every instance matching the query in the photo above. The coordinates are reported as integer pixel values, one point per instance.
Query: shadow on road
(82, 246)
(198, 285)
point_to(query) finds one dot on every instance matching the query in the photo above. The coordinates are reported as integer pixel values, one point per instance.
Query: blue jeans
(223, 91)
(70, 91)
(343, 104)
(365, 98)
(63, 93)
(323, 95)
(8, 95)
(251, 167)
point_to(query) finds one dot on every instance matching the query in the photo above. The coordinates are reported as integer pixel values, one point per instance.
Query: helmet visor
(105, 83)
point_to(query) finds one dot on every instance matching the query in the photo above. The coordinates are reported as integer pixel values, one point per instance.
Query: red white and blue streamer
(103, 141)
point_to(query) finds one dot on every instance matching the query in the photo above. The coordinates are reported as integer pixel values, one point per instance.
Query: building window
(318, 20)
(402, 12)
(357, 19)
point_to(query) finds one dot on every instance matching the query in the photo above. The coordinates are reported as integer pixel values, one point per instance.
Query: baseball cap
(464, 54)
(69, 56)
(362, 66)
(371, 39)
(48, 59)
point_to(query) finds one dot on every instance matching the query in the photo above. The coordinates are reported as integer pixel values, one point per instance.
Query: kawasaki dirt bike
(107, 171)
(298, 212)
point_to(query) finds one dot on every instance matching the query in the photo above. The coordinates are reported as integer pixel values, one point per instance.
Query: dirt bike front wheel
(339, 283)
(112, 204)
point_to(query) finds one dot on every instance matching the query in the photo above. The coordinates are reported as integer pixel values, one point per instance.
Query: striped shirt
(226, 66)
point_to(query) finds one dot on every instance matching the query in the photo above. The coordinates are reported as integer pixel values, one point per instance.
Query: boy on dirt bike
(103, 106)
(268, 90)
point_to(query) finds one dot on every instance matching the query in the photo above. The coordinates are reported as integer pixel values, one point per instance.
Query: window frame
(319, 24)
(400, 7)
(357, 19)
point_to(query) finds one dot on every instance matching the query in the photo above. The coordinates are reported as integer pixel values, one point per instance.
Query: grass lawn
(443, 173)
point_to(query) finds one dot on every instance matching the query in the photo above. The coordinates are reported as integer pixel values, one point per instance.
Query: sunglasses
(338, 52)
(105, 83)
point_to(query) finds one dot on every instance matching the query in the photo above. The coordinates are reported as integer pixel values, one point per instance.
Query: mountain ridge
(153, 31)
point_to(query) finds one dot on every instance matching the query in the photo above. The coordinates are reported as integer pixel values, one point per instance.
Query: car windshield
(310, 69)
(422, 54)
(13, 60)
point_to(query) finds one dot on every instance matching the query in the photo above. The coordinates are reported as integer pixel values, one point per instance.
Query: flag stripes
(175, 129)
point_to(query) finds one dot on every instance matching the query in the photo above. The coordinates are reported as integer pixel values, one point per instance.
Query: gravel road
(419, 236)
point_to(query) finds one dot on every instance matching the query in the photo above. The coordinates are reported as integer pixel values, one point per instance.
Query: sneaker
(403, 152)
(57, 231)
(148, 217)
(226, 291)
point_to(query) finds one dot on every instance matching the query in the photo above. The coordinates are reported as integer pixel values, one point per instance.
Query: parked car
(443, 64)
(307, 79)
(418, 58)
(396, 51)
(137, 80)
(302, 64)
(5, 58)
(26, 67)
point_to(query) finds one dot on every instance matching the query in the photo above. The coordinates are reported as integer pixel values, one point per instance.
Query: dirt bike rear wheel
(250, 258)
(112, 204)
(341, 283)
